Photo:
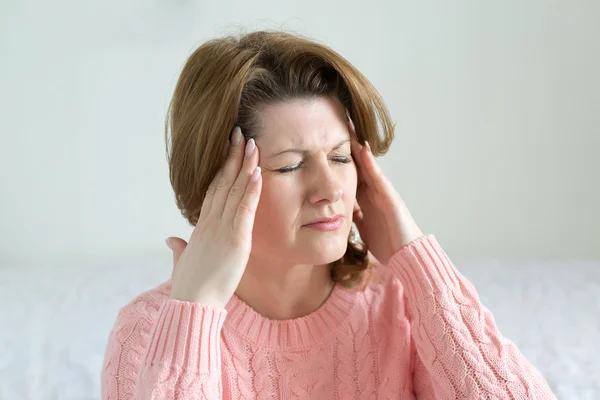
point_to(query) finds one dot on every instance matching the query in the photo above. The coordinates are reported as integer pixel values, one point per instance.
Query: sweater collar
(317, 327)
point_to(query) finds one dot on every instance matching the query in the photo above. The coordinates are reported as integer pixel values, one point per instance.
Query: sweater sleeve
(173, 354)
(460, 351)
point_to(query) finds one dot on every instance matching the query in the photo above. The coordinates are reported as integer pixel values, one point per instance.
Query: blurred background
(497, 108)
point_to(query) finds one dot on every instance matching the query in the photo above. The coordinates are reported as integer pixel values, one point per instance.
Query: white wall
(497, 109)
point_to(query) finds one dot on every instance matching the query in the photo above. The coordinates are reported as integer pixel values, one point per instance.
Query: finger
(369, 165)
(231, 170)
(178, 245)
(360, 169)
(238, 190)
(210, 193)
(354, 145)
(357, 218)
(356, 149)
(356, 205)
(246, 212)
(374, 175)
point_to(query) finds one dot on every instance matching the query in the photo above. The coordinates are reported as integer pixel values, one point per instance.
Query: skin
(285, 274)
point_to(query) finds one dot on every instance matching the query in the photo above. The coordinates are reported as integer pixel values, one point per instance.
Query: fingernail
(368, 146)
(351, 123)
(168, 242)
(237, 136)
(255, 175)
(249, 147)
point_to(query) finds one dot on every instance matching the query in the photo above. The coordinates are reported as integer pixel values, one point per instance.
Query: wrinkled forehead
(307, 123)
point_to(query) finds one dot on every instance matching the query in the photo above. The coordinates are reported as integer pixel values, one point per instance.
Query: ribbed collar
(315, 328)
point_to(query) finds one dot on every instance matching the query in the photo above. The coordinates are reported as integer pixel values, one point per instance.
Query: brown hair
(223, 84)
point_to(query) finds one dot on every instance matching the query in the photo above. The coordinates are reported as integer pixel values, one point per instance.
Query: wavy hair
(225, 81)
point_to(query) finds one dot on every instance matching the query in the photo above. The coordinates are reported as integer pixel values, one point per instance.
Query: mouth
(326, 224)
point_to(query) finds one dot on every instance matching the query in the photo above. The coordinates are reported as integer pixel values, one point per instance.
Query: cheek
(279, 202)
(350, 181)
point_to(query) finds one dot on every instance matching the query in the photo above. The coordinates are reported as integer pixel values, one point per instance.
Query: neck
(280, 292)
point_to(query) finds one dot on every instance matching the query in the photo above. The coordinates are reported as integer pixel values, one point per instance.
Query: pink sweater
(417, 331)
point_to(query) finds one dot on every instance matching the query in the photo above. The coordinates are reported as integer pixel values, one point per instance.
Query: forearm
(180, 358)
(456, 339)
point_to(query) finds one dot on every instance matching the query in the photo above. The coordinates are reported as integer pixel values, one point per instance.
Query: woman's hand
(209, 268)
(381, 216)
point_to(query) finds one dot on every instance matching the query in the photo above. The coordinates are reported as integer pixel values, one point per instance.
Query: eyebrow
(303, 151)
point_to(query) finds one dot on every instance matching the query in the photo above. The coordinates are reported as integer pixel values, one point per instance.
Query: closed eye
(341, 160)
(289, 169)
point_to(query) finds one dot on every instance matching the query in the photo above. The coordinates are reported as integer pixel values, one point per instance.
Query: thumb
(177, 245)
(357, 217)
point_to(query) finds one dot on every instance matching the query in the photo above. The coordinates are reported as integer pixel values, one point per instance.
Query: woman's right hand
(208, 269)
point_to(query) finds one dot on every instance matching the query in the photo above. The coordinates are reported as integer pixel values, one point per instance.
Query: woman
(274, 296)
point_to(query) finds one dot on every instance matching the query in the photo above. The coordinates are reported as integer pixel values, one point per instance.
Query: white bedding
(55, 320)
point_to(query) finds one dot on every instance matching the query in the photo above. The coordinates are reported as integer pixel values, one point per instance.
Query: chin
(325, 250)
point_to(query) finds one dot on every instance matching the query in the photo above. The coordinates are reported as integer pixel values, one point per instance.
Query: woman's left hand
(381, 216)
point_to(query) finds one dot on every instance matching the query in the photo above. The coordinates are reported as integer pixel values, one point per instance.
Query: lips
(325, 224)
(333, 219)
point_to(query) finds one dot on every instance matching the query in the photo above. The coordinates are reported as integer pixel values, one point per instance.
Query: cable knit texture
(417, 331)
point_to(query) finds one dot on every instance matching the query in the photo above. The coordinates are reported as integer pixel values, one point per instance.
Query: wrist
(204, 300)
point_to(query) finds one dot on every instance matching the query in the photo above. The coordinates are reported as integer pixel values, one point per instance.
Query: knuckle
(223, 182)
(245, 208)
(236, 191)
(211, 188)
(215, 182)
(234, 151)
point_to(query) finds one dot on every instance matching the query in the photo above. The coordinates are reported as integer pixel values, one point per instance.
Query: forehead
(303, 123)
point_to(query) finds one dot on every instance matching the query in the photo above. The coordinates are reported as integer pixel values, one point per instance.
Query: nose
(326, 187)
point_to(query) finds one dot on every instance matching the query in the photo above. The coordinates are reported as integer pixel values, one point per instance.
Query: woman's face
(308, 174)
